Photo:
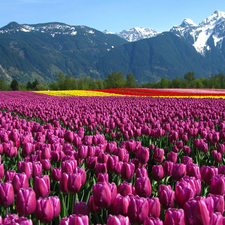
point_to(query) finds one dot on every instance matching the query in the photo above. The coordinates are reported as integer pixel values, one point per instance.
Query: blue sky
(113, 15)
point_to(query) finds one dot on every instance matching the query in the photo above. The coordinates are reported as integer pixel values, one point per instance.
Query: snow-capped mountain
(50, 28)
(135, 33)
(199, 35)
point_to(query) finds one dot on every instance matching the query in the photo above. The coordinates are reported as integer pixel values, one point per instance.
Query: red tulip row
(151, 161)
(156, 92)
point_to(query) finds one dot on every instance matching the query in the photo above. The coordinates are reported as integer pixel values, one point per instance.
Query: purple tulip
(152, 221)
(37, 169)
(195, 184)
(154, 207)
(56, 205)
(9, 175)
(42, 186)
(217, 156)
(175, 217)
(100, 168)
(112, 163)
(63, 185)
(26, 167)
(221, 169)
(82, 173)
(183, 193)
(125, 188)
(138, 209)
(198, 211)
(217, 185)
(25, 201)
(75, 219)
(102, 194)
(44, 210)
(166, 196)
(82, 151)
(172, 156)
(143, 186)
(20, 181)
(187, 150)
(81, 208)
(179, 170)
(120, 205)
(92, 207)
(56, 174)
(158, 155)
(118, 220)
(11, 151)
(141, 172)
(207, 172)
(193, 170)
(6, 194)
(218, 202)
(168, 168)
(186, 160)
(127, 170)
(157, 172)
(74, 182)
(91, 162)
(143, 155)
(28, 149)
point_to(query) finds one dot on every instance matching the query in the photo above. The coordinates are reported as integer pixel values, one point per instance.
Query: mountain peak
(188, 22)
(137, 33)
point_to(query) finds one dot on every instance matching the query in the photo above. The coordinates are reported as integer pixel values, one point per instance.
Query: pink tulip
(174, 216)
(118, 220)
(81, 208)
(6, 194)
(25, 201)
(19, 181)
(42, 186)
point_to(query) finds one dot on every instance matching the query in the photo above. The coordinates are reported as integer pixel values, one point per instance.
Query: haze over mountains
(42, 50)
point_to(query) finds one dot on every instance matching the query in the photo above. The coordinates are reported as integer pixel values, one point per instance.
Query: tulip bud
(193, 170)
(154, 207)
(6, 194)
(20, 181)
(218, 202)
(179, 170)
(37, 169)
(172, 156)
(127, 170)
(9, 175)
(112, 163)
(74, 182)
(81, 208)
(102, 194)
(217, 185)
(63, 185)
(25, 201)
(56, 205)
(187, 150)
(138, 209)
(207, 172)
(44, 210)
(92, 207)
(174, 216)
(101, 168)
(166, 196)
(42, 186)
(118, 220)
(152, 221)
(168, 168)
(183, 193)
(26, 167)
(125, 188)
(56, 174)
(143, 155)
(46, 164)
(158, 155)
(157, 172)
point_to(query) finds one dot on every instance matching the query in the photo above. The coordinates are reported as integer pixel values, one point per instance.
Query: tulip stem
(73, 203)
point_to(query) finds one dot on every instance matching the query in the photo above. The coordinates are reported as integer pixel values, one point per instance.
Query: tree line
(118, 80)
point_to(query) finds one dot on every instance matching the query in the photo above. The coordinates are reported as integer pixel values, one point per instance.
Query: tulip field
(112, 156)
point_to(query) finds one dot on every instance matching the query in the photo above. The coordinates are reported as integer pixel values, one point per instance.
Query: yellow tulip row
(77, 93)
(67, 93)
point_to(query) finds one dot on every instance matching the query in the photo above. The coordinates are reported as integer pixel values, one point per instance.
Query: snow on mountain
(135, 33)
(198, 35)
(50, 28)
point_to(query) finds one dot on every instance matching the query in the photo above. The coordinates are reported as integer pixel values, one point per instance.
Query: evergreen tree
(29, 86)
(34, 84)
(14, 85)
(130, 83)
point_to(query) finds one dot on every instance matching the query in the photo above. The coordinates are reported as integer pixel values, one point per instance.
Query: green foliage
(14, 85)
(130, 83)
